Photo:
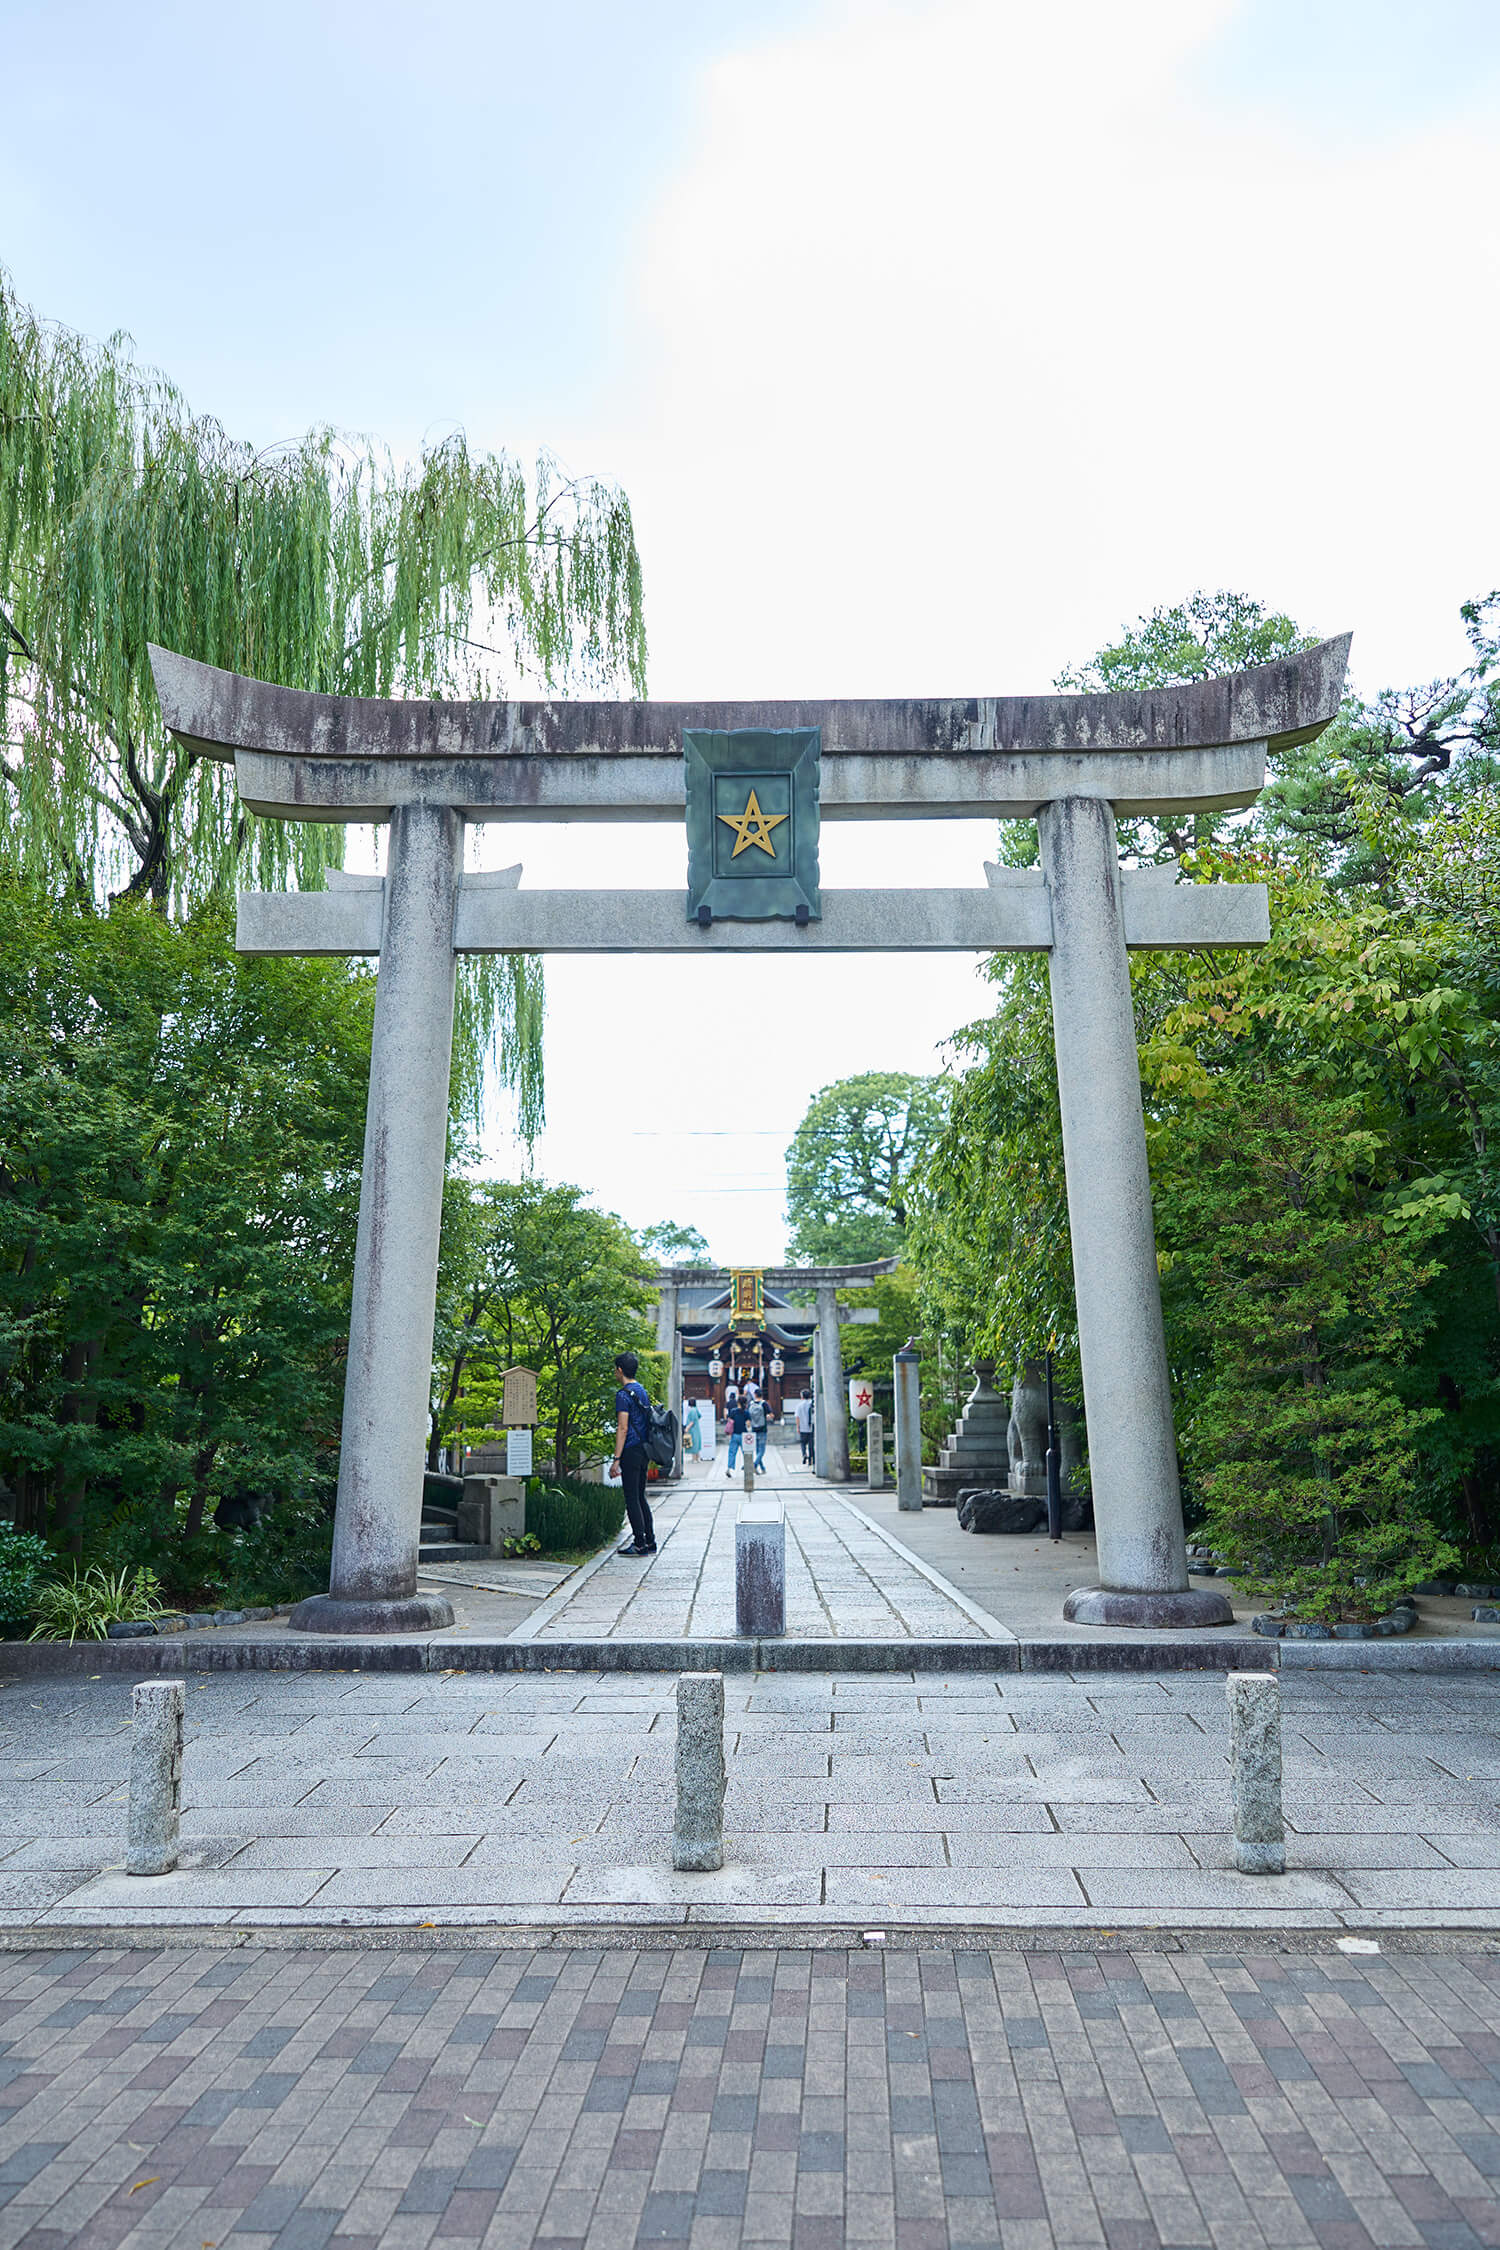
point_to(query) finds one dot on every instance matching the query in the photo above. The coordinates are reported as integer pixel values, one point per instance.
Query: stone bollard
(698, 1839)
(760, 1568)
(906, 1367)
(155, 1777)
(875, 1452)
(1255, 1749)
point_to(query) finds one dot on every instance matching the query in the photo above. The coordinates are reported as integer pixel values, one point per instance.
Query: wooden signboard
(518, 1407)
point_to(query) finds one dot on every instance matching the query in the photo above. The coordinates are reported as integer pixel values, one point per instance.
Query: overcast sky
(932, 340)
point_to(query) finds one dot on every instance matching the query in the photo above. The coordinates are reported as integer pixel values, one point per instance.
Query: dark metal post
(1054, 1474)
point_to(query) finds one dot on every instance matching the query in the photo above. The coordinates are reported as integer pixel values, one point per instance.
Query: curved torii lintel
(311, 756)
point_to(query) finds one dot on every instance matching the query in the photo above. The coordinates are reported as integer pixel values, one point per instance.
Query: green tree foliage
(1198, 639)
(180, 1137)
(870, 1351)
(533, 1276)
(1298, 1251)
(126, 519)
(851, 1162)
(1321, 1116)
(989, 1232)
(676, 1245)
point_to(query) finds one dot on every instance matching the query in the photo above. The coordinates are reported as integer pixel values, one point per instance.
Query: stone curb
(777, 1931)
(1195, 1652)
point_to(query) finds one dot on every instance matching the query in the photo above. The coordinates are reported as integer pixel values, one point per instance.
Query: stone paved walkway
(845, 1579)
(192, 2100)
(938, 1800)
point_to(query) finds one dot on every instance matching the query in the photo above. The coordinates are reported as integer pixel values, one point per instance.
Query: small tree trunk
(198, 1502)
(79, 1408)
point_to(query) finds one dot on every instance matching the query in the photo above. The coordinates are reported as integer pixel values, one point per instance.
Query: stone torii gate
(1071, 761)
(820, 1324)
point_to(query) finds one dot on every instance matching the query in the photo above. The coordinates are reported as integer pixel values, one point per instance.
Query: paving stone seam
(672, 1930)
(988, 1624)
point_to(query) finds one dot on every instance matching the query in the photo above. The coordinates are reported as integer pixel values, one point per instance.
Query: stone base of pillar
(413, 1613)
(1104, 1605)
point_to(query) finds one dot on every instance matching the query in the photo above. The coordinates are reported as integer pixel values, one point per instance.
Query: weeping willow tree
(126, 519)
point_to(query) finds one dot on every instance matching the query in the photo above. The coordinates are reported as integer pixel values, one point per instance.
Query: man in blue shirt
(739, 1422)
(632, 1408)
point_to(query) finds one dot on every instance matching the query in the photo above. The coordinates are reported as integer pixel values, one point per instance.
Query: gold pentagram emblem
(752, 826)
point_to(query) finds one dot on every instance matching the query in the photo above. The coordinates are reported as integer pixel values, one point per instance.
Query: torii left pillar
(387, 1386)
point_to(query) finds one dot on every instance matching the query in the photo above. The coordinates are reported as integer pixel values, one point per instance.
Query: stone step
(1090, 1649)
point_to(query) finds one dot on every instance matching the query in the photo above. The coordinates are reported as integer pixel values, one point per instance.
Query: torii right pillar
(1143, 1577)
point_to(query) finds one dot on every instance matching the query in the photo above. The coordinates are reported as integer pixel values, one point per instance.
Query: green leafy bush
(571, 1518)
(283, 1558)
(26, 1563)
(90, 1602)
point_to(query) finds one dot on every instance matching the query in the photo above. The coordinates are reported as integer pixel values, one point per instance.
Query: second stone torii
(1071, 762)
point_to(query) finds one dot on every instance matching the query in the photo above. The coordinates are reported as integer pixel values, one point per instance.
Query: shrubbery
(90, 1601)
(281, 1559)
(571, 1518)
(26, 1564)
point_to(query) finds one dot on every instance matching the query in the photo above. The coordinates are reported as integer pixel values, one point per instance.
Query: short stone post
(760, 1568)
(698, 1838)
(875, 1452)
(1255, 1749)
(907, 1370)
(155, 1777)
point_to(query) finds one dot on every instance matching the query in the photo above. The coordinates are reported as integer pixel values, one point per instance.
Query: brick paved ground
(324, 1797)
(191, 2099)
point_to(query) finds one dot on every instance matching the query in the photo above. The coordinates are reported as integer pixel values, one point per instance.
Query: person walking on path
(739, 1422)
(759, 1426)
(632, 1410)
(803, 1409)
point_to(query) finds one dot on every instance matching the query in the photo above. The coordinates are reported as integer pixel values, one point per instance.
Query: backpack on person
(661, 1435)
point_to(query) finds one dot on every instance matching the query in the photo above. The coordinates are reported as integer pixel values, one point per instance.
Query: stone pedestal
(492, 1510)
(976, 1452)
(760, 1569)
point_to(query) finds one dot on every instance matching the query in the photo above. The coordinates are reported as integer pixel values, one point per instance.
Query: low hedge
(571, 1518)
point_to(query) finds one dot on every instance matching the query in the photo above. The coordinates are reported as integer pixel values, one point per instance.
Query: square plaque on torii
(752, 823)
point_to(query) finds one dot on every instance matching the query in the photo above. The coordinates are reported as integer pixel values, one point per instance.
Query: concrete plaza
(977, 1971)
(545, 1800)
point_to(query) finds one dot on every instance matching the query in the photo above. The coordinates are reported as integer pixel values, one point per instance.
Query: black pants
(633, 1478)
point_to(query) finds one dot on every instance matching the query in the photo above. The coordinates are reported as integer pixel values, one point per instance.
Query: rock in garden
(1004, 1511)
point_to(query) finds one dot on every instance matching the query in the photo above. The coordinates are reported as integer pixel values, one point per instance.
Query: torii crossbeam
(1072, 761)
